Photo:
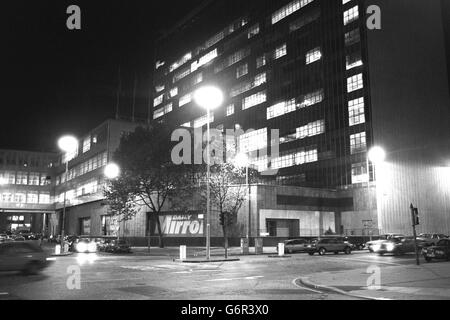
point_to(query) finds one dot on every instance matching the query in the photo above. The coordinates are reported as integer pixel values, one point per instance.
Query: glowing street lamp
(377, 155)
(112, 171)
(67, 144)
(209, 98)
(242, 161)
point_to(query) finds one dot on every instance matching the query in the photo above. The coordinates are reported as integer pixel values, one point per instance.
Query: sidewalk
(429, 281)
(195, 252)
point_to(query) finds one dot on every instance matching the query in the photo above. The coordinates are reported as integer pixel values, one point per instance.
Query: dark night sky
(57, 81)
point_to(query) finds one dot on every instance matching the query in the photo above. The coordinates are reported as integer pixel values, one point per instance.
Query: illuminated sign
(181, 225)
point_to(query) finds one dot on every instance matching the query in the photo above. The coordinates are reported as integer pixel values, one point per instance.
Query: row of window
(24, 160)
(89, 165)
(292, 105)
(31, 197)
(24, 178)
(85, 189)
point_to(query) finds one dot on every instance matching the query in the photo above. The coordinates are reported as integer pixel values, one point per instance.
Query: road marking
(101, 280)
(305, 288)
(371, 261)
(4, 293)
(231, 279)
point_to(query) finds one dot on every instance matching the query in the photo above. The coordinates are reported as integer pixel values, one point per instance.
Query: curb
(277, 256)
(305, 282)
(205, 261)
(62, 255)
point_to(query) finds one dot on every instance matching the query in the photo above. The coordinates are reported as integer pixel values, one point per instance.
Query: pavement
(428, 281)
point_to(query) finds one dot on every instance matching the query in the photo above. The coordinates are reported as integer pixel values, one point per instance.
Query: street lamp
(111, 172)
(67, 144)
(242, 161)
(209, 98)
(376, 155)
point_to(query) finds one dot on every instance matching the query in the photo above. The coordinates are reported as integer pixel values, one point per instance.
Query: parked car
(322, 246)
(294, 245)
(22, 256)
(103, 244)
(374, 245)
(431, 239)
(440, 251)
(397, 246)
(116, 246)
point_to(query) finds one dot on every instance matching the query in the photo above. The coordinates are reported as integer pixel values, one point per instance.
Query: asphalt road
(105, 276)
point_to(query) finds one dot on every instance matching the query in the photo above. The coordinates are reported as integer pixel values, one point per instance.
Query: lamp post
(67, 144)
(111, 172)
(209, 98)
(242, 160)
(376, 155)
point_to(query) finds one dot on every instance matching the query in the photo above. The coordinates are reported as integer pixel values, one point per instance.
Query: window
(260, 79)
(352, 37)
(44, 197)
(253, 31)
(216, 38)
(162, 111)
(180, 75)
(160, 88)
(185, 99)
(280, 52)
(6, 197)
(7, 177)
(260, 61)
(356, 111)
(304, 20)
(358, 142)
(22, 178)
(246, 86)
(311, 129)
(174, 92)
(86, 144)
(20, 197)
(32, 197)
(312, 98)
(353, 60)
(294, 159)
(180, 62)
(281, 108)
(230, 110)
(204, 60)
(234, 58)
(359, 173)
(197, 78)
(254, 100)
(253, 140)
(289, 9)
(351, 15)
(241, 71)
(158, 100)
(313, 55)
(200, 122)
(355, 83)
(33, 178)
(345, 1)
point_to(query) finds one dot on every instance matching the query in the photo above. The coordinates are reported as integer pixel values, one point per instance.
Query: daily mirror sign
(190, 225)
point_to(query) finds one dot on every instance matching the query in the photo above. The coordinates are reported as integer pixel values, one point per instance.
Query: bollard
(58, 249)
(182, 253)
(281, 249)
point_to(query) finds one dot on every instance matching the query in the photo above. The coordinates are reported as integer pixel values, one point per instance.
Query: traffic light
(416, 216)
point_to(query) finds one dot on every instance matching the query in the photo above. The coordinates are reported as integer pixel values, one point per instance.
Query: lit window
(204, 60)
(180, 62)
(345, 1)
(180, 75)
(33, 179)
(185, 99)
(200, 122)
(7, 177)
(162, 111)
(351, 15)
(173, 92)
(197, 78)
(246, 86)
(158, 100)
(6, 197)
(356, 111)
(234, 58)
(86, 144)
(355, 83)
(352, 37)
(260, 61)
(359, 173)
(253, 140)
(241, 71)
(20, 198)
(260, 79)
(281, 108)
(230, 110)
(160, 88)
(44, 180)
(216, 38)
(311, 129)
(353, 60)
(289, 9)
(254, 100)
(294, 159)
(312, 98)
(253, 31)
(313, 55)
(280, 51)
(22, 178)
(358, 142)
(44, 198)
(32, 197)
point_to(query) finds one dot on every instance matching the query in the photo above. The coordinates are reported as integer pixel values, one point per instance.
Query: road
(105, 276)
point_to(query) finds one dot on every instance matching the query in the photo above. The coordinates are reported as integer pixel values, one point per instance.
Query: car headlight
(376, 247)
(92, 247)
(82, 247)
(390, 247)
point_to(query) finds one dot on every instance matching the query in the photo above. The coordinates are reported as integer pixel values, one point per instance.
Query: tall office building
(333, 87)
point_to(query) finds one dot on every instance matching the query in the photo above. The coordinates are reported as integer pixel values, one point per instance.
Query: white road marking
(372, 261)
(231, 279)
(4, 293)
